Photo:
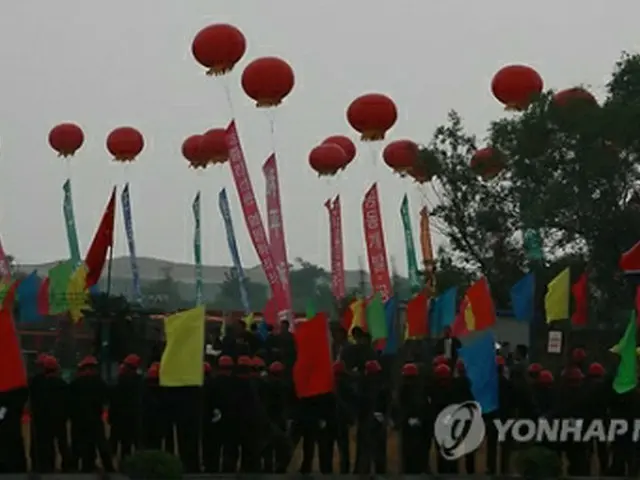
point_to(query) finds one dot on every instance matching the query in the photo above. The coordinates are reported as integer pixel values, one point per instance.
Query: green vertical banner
(532, 242)
(412, 263)
(70, 223)
(197, 247)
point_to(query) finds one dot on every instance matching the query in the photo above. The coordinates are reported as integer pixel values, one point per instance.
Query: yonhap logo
(459, 429)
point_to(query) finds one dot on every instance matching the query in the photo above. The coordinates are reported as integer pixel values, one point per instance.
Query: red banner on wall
(276, 230)
(251, 213)
(374, 238)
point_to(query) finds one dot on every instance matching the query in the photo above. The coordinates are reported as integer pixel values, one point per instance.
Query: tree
(229, 299)
(310, 283)
(163, 293)
(572, 174)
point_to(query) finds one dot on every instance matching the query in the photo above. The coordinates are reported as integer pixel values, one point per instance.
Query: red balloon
(345, 143)
(327, 159)
(487, 163)
(66, 139)
(401, 156)
(372, 115)
(268, 80)
(214, 145)
(194, 153)
(125, 144)
(573, 96)
(218, 48)
(516, 86)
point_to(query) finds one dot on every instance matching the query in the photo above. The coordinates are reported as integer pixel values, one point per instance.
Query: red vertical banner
(337, 264)
(251, 213)
(374, 239)
(332, 251)
(276, 230)
(425, 236)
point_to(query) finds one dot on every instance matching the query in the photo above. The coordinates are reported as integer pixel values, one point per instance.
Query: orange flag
(313, 372)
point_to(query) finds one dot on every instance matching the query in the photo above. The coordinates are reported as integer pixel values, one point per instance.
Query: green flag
(311, 309)
(532, 242)
(626, 377)
(376, 322)
(59, 277)
(70, 223)
(197, 248)
(412, 263)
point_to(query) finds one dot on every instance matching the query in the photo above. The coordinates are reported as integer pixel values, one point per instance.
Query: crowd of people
(246, 417)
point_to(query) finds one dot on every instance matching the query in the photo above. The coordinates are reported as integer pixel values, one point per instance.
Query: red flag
(13, 375)
(43, 297)
(580, 292)
(479, 297)
(417, 316)
(313, 372)
(270, 312)
(630, 260)
(102, 241)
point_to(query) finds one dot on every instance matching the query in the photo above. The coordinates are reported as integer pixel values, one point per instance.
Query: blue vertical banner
(225, 211)
(197, 247)
(128, 227)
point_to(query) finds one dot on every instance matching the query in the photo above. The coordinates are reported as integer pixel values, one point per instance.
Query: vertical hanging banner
(5, 268)
(374, 239)
(128, 228)
(276, 227)
(225, 211)
(70, 223)
(337, 264)
(426, 245)
(197, 247)
(251, 213)
(332, 250)
(412, 262)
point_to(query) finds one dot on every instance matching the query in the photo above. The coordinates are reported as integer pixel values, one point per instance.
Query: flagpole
(106, 331)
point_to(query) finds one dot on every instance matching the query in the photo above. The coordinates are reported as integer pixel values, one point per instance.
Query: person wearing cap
(125, 409)
(599, 391)
(89, 397)
(49, 415)
(441, 394)
(448, 346)
(346, 400)
(155, 426)
(507, 408)
(413, 423)
(276, 457)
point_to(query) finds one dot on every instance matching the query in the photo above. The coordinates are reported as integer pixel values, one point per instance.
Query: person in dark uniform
(462, 393)
(346, 399)
(442, 395)
(218, 432)
(12, 454)
(89, 396)
(506, 410)
(448, 346)
(155, 425)
(598, 394)
(413, 421)
(125, 410)
(275, 458)
(49, 414)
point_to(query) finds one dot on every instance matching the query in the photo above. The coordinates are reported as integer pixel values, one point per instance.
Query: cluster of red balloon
(123, 143)
(209, 148)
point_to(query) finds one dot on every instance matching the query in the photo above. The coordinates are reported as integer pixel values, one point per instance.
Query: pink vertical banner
(276, 229)
(374, 239)
(337, 253)
(5, 268)
(252, 214)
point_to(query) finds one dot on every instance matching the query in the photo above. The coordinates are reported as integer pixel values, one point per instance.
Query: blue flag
(133, 258)
(479, 359)
(443, 311)
(522, 294)
(27, 294)
(390, 312)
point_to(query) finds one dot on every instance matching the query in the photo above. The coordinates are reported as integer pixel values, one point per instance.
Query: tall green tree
(228, 297)
(310, 283)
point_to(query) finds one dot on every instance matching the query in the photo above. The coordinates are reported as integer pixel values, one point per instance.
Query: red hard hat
(439, 360)
(372, 366)
(339, 367)
(245, 361)
(535, 368)
(207, 367)
(409, 370)
(122, 369)
(545, 377)
(132, 360)
(442, 371)
(500, 360)
(88, 361)
(50, 364)
(41, 358)
(276, 368)
(460, 366)
(225, 361)
(572, 373)
(596, 370)
(258, 362)
(154, 370)
(578, 355)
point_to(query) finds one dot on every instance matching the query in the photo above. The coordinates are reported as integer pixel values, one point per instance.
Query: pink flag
(252, 214)
(276, 230)
(337, 254)
(5, 268)
(374, 238)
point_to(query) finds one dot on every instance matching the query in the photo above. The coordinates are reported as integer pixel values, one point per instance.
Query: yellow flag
(556, 301)
(357, 310)
(77, 294)
(469, 317)
(248, 320)
(181, 364)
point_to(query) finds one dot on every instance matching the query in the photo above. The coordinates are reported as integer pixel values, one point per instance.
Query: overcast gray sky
(123, 62)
